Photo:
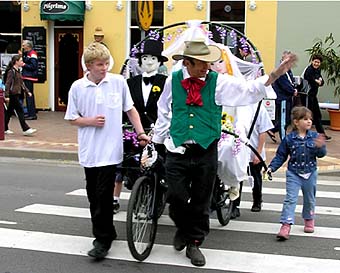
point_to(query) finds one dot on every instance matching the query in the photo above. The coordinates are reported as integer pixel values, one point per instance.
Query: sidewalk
(56, 139)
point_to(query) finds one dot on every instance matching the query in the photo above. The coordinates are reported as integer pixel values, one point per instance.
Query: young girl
(303, 146)
(14, 87)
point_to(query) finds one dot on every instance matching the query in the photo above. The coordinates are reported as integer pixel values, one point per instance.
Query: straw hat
(200, 51)
(98, 31)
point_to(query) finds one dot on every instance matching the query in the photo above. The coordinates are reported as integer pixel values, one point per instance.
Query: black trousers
(14, 104)
(191, 177)
(30, 101)
(99, 187)
(256, 173)
(313, 105)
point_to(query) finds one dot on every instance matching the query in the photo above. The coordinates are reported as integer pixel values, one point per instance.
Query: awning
(62, 10)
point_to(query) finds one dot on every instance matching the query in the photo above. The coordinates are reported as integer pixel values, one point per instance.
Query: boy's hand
(99, 121)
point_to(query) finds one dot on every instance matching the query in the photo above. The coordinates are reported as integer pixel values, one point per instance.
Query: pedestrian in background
(303, 147)
(96, 104)
(313, 75)
(285, 90)
(189, 125)
(30, 76)
(14, 87)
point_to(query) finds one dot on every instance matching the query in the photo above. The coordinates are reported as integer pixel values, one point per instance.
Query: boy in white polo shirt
(96, 103)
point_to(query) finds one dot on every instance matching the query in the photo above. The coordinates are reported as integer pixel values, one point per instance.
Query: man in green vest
(189, 125)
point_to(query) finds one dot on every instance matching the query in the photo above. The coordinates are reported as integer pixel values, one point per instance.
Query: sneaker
(234, 193)
(256, 207)
(29, 132)
(328, 138)
(284, 232)
(99, 251)
(179, 242)
(195, 255)
(309, 226)
(235, 213)
(9, 132)
(115, 207)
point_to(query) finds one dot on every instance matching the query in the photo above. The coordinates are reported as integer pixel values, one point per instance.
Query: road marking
(8, 223)
(336, 248)
(274, 191)
(165, 254)
(258, 227)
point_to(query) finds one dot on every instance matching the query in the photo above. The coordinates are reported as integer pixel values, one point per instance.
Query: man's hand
(99, 121)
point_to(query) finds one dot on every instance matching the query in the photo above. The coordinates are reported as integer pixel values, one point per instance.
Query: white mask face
(149, 63)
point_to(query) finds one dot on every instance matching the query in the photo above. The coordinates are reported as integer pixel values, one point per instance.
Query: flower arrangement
(156, 88)
(130, 134)
(227, 124)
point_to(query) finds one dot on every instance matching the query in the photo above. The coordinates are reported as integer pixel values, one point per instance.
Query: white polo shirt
(100, 146)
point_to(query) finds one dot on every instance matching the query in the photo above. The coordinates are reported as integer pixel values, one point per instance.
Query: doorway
(68, 44)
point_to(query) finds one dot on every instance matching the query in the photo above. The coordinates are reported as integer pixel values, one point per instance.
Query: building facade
(61, 30)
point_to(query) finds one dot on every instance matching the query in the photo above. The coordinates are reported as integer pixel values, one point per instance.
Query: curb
(39, 154)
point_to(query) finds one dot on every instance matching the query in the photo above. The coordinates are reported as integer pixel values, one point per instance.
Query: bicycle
(146, 204)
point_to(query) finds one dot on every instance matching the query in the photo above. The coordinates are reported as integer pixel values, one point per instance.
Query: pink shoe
(309, 226)
(284, 232)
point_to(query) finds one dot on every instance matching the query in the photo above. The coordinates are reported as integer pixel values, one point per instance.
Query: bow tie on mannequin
(193, 87)
(148, 80)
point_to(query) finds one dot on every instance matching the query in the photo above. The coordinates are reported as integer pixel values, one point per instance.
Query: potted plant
(330, 53)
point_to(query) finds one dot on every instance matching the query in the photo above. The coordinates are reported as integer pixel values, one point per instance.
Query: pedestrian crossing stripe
(243, 226)
(274, 191)
(165, 254)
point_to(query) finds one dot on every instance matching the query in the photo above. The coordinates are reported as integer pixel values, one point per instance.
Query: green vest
(191, 122)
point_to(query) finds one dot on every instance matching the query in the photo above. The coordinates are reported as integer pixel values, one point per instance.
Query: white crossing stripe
(278, 207)
(8, 222)
(276, 191)
(244, 226)
(320, 182)
(165, 254)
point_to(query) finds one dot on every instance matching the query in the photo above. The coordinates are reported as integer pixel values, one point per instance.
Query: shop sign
(54, 7)
(144, 14)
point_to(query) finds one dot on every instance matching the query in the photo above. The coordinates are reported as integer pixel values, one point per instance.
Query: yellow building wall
(183, 11)
(261, 27)
(104, 14)
(29, 19)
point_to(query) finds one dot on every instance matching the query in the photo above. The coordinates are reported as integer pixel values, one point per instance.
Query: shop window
(231, 13)
(157, 21)
(10, 27)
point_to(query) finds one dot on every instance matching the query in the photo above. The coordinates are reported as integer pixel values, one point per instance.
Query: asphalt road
(44, 228)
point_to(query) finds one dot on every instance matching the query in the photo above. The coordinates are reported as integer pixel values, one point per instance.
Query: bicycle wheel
(141, 223)
(223, 204)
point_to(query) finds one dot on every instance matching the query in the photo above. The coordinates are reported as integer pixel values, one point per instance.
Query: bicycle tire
(141, 222)
(224, 205)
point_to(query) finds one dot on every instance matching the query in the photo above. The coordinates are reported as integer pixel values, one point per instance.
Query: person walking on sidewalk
(96, 104)
(189, 125)
(14, 86)
(303, 147)
(313, 75)
(30, 76)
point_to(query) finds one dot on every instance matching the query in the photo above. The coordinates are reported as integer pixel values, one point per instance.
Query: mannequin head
(223, 65)
(149, 63)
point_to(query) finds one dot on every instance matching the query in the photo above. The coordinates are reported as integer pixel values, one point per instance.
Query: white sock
(116, 198)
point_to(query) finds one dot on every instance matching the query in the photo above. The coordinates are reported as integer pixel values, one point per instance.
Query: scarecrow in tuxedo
(145, 91)
(146, 88)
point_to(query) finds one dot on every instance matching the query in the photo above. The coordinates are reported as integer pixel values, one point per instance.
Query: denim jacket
(302, 152)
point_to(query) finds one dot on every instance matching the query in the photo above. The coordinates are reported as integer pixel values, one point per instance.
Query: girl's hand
(320, 140)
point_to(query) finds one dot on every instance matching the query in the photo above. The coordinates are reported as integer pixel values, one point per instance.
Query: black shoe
(256, 207)
(195, 255)
(328, 138)
(31, 118)
(235, 213)
(179, 241)
(115, 207)
(99, 251)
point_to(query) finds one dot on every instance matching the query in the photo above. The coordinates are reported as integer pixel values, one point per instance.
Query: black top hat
(154, 48)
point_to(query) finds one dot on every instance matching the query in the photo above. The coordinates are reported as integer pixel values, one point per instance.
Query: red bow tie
(193, 87)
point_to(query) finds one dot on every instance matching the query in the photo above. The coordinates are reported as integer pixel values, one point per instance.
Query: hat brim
(163, 58)
(214, 55)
